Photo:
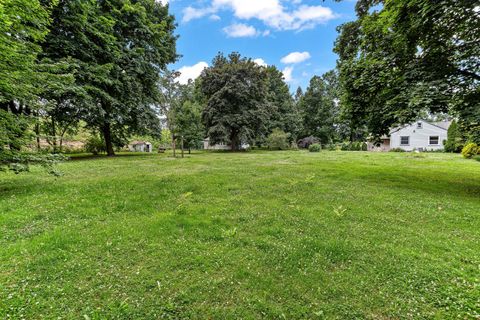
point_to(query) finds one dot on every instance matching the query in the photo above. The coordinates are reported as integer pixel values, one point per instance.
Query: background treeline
(101, 65)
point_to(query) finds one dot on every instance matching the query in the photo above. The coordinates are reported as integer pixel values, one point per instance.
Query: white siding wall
(419, 138)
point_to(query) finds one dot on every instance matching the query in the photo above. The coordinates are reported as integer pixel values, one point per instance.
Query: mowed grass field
(257, 235)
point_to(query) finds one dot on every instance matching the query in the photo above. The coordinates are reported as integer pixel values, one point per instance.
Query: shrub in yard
(470, 150)
(455, 141)
(316, 147)
(345, 146)
(277, 140)
(397, 150)
(95, 145)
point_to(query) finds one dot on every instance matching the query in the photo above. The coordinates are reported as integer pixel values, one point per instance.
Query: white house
(140, 146)
(421, 136)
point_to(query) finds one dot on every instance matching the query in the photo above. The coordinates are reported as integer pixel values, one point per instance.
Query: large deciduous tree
(400, 58)
(319, 106)
(120, 47)
(284, 112)
(235, 89)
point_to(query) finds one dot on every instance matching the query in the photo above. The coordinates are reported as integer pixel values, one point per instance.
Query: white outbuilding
(140, 146)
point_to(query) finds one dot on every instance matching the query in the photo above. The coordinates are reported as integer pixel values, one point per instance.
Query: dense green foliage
(278, 140)
(402, 58)
(120, 48)
(188, 124)
(23, 25)
(95, 145)
(470, 150)
(284, 113)
(319, 106)
(294, 235)
(455, 139)
(236, 111)
(316, 147)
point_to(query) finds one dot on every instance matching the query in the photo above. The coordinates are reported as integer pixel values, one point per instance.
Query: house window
(433, 140)
(404, 141)
(419, 125)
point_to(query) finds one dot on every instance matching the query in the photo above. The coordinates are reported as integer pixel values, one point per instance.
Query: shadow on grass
(83, 156)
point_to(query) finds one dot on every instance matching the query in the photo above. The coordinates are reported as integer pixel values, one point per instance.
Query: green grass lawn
(272, 235)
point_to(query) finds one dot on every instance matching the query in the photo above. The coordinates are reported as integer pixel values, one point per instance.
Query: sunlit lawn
(273, 235)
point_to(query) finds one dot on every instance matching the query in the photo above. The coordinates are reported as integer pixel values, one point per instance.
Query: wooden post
(182, 147)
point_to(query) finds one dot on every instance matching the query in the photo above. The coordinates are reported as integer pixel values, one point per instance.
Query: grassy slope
(251, 235)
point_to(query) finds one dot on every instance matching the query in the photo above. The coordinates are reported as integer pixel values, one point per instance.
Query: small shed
(140, 146)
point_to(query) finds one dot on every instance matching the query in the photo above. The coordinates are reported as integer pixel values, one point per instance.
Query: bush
(455, 141)
(95, 145)
(470, 150)
(316, 147)
(397, 150)
(477, 158)
(354, 146)
(277, 140)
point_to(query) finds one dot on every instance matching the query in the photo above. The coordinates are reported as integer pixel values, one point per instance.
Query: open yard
(273, 235)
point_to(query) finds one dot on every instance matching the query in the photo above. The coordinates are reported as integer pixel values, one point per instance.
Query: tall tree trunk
(174, 146)
(107, 135)
(37, 131)
(235, 143)
(54, 136)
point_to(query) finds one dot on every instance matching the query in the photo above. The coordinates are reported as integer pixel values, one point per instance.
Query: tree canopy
(120, 47)
(400, 58)
(235, 89)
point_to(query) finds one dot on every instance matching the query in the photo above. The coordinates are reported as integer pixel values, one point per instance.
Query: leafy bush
(397, 150)
(477, 158)
(470, 150)
(277, 140)
(455, 141)
(354, 146)
(316, 147)
(95, 145)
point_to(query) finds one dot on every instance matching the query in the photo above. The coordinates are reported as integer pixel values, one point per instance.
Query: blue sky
(295, 35)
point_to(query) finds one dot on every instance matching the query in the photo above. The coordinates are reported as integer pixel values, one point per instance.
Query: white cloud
(239, 30)
(214, 17)
(295, 57)
(287, 74)
(271, 12)
(190, 13)
(191, 72)
(260, 62)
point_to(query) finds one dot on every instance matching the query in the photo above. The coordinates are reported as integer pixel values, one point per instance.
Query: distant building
(140, 146)
(221, 146)
(421, 136)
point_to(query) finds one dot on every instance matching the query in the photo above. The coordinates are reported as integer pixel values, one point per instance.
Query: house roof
(441, 124)
(138, 142)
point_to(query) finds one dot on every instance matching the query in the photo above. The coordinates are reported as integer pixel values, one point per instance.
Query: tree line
(103, 63)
